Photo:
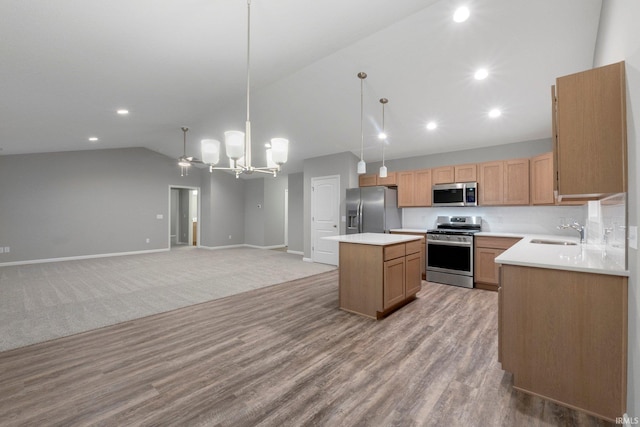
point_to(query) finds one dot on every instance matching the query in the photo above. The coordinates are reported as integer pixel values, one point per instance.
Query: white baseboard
(307, 259)
(243, 246)
(264, 247)
(76, 258)
(215, 248)
(295, 252)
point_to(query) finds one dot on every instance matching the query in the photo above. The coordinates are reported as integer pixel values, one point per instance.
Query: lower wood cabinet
(376, 280)
(563, 335)
(423, 250)
(486, 271)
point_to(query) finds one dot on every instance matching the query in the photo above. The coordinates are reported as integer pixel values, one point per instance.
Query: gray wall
(86, 202)
(274, 193)
(343, 164)
(264, 211)
(477, 155)
(222, 209)
(254, 216)
(296, 212)
(619, 39)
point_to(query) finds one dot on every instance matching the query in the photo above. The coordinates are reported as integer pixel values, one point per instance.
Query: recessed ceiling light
(432, 125)
(267, 144)
(495, 113)
(461, 14)
(382, 135)
(93, 139)
(123, 112)
(481, 74)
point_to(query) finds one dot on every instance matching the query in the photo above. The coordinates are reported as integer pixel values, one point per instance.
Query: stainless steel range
(450, 250)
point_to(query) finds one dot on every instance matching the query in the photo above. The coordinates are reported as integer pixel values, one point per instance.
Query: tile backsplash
(601, 218)
(502, 219)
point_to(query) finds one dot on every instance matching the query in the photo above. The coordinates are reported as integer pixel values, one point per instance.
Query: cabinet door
(591, 132)
(465, 173)
(491, 183)
(367, 180)
(542, 179)
(406, 189)
(443, 175)
(390, 180)
(393, 289)
(486, 270)
(413, 274)
(422, 187)
(516, 182)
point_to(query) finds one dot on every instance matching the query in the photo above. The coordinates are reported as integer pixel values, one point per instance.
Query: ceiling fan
(185, 161)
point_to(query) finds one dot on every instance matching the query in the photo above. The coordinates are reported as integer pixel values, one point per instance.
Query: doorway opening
(184, 215)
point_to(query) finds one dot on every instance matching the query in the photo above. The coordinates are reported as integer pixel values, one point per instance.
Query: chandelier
(238, 144)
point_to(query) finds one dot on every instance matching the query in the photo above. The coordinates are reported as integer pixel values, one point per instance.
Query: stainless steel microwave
(457, 194)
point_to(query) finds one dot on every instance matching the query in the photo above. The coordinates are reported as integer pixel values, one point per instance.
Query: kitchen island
(379, 272)
(562, 323)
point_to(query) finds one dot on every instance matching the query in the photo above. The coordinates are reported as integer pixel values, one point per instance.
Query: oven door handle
(446, 243)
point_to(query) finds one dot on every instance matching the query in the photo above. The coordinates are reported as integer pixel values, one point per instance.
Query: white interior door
(325, 216)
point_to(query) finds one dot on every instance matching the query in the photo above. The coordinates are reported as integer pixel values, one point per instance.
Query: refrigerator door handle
(360, 217)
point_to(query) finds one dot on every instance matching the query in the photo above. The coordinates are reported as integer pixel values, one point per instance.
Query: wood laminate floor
(280, 356)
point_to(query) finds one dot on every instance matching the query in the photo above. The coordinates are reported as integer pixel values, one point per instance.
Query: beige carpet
(39, 302)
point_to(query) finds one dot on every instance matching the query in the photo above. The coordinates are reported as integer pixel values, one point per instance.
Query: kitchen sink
(553, 242)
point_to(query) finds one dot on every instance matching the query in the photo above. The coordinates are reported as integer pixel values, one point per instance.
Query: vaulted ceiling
(66, 66)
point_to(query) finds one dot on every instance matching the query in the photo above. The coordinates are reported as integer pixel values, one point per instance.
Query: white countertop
(378, 239)
(502, 234)
(409, 230)
(584, 257)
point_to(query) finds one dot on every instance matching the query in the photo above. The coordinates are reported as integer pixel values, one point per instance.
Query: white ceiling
(67, 65)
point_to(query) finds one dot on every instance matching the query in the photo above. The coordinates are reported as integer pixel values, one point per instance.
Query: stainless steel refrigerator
(372, 210)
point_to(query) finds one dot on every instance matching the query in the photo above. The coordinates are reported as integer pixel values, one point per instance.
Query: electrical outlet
(229, 236)
(7, 249)
(1, 250)
(148, 240)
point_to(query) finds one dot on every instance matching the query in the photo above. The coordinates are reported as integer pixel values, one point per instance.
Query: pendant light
(362, 166)
(383, 137)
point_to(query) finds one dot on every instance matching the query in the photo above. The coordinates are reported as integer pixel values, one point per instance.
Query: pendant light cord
(248, 54)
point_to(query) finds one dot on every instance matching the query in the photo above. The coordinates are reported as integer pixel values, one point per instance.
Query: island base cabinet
(563, 335)
(376, 280)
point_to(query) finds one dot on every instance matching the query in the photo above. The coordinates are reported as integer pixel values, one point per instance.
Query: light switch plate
(633, 237)
(159, 216)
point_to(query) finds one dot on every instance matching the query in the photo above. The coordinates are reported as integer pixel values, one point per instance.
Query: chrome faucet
(576, 226)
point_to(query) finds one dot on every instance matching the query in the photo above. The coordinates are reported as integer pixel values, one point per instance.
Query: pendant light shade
(362, 167)
(383, 172)
(234, 144)
(210, 151)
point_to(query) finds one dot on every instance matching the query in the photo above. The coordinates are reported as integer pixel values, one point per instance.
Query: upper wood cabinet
(371, 180)
(504, 182)
(443, 175)
(516, 182)
(491, 183)
(465, 173)
(542, 179)
(591, 143)
(414, 188)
